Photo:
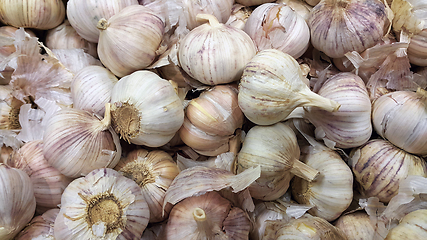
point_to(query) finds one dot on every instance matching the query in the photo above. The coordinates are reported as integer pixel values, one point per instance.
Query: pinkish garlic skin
(40, 227)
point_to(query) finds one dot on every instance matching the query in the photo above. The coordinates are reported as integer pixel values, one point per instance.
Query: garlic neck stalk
(304, 171)
(203, 223)
(106, 122)
(211, 18)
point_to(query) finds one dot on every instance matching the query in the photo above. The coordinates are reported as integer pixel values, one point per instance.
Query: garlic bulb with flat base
(102, 205)
(272, 86)
(146, 109)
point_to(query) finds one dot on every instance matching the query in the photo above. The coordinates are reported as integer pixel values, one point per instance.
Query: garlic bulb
(356, 225)
(412, 226)
(48, 182)
(86, 142)
(275, 149)
(215, 53)
(91, 89)
(278, 26)
(272, 86)
(18, 203)
(65, 37)
(102, 205)
(32, 13)
(350, 126)
(40, 227)
(85, 14)
(143, 30)
(400, 118)
(337, 27)
(306, 227)
(153, 172)
(208, 216)
(9, 108)
(253, 2)
(379, 167)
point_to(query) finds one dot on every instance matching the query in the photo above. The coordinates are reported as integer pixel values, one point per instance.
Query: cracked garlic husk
(278, 26)
(272, 86)
(48, 182)
(40, 227)
(400, 117)
(356, 225)
(91, 89)
(379, 167)
(338, 27)
(102, 205)
(215, 53)
(208, 216)
(32, 13)
(143, 29)
(146, 109)
(17, 201)
(85, 141)
(154, 172)
(84, 15)
(275, 149)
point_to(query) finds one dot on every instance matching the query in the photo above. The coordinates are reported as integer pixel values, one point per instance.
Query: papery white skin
(17, 201)
(215, 53)
(160, 110)
(143, 30)
(40, 227)
(91, 89)
(71, 222)
(85, 14)
(75, 59)
(253, 2)
(400, 117)
(265, 211)
(356, 225)
(239, 16)
(278, 26)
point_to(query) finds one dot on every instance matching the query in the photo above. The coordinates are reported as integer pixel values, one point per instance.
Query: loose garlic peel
(102, 205)
(153, 172)
(145, 109)
(275, 150)
(80, 138)
(272, 86)
(379, 167)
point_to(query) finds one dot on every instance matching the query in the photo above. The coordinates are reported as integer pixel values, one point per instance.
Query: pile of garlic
(245, 119)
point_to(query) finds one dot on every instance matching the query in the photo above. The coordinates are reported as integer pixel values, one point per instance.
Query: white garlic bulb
(86, 142)
(272, 86)
(143, 30)
(17, 201)
(253, 2)
(85, 14)
(102, 205)
(32, 13)
(412, 226)
(278, 26)
(400, 118)
(91, 89)
(350, 126)
(65, 37)
(356, 225)
(40, 227)
(215, 53)
(146, 109)
(337, 27)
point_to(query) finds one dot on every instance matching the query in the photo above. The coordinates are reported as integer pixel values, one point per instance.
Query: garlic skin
(40, 227)
(65, 37)
(18, 203)
(239, 16)
(91, 89)
(412, 226)
(146, 109)
(337, 27)
(48, 182)
(86, 142)
(85, 14)
(356, 225)
(275, 149)
(278, 26)
(215, 53)
(272, 86)
(350, 126)
(208, 216)
(380, 167)
(9, 108)
(153, 172)
(102, 205)
(253, 2)
(143, 30)
(399, 117)
(32, 13)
